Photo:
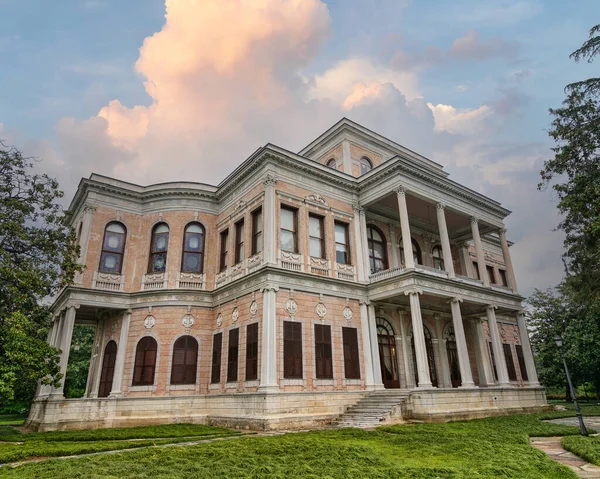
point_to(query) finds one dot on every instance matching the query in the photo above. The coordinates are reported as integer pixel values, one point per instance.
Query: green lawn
(12, 420)
(484, 448)
(587, 448)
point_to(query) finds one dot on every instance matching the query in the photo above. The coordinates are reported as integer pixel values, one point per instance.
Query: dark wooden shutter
(145, 362)
(215, 376)
(521, 360)
(108, 369)
(252, 352)
(232, 355)
(185, 361)
(510, 364)
(351, 361)
(292, 350)
(323, 359)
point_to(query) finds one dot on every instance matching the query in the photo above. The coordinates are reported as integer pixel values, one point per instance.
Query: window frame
(144, 366)
(216, 358)
(346, 228)
(351, 355)
(293, 366)
(365, 161)
(120, 252)
(490, 272)
(323, 345)
(224, 250)
(476, 269)
(321, 220)
(521, 361)
(371, 249)
(239, 242)
(294, 212)
(187, 366)
(416, 251)
(251, 373)
(329, 163)
(503, 277)
(185, 250)
(257, 236)
(441, 265)
(510, 363)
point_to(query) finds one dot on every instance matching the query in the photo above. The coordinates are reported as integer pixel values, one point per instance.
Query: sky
(150, 91)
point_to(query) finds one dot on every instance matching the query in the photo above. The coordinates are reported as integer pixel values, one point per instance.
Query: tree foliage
(37, 256)
(79, 360)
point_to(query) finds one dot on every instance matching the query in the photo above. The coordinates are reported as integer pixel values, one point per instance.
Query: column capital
(358, 209)
(440, 206)
(502, 231)
(270, 180)
(456, 299)
(464, 244)
(88, 208)
(72, 305)
(473, 220)
(491, 307)
(128, 311)
(400, 191)
(269, 287)
(410, 291)
(366, 302)
(437, 317)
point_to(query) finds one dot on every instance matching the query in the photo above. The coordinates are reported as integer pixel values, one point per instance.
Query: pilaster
(466, 376)
(268, 357)
(419, 337)
(117, 384)
(445, 239)
(409, 261)
(479, 251)
(499, 358)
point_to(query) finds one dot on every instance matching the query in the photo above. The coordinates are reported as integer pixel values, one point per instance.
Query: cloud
(497, 13)
(465, 121)
(472, 47)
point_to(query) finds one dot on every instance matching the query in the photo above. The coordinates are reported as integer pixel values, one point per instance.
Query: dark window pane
(521, 360)
(185, 361)
(252, 352)
(232, 356)
(145, 362)
(323, 356)
(192, 263)
(292, 350)
(215, 376)
(510, 365)
(351, 360)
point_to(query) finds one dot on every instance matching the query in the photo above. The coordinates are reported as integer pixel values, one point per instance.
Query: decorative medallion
(502, 332)
(113, 326)
(321, 310)
(253, 309)
(347, 313)
(149, 322)
(219, 320)
(291, 307)
(187, 321)
(516, 335)
(235, 315)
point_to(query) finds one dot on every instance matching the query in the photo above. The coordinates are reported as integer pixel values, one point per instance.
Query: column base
(56, 396)
(425, 386)
(504, 385)
(268, 389)
(115, 395)
(468, 386)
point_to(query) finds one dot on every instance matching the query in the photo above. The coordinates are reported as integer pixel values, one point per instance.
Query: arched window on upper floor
(438, 257)
(365, 165)
(158, 248)
(377, 249)
(113, 248)
(192, 260)
(185, 361)
(416, 251)
(145, 362)
(331, 163)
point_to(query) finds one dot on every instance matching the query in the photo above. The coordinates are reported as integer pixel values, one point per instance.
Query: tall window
(292, 350)
(158, 249)
(215, 372)
(503, 277)
(377, 249)
(113, 246)
(192, 260)
(289, 225)
(316, 235)
(476, 270)
(510, 364)
(416, 252)
(521, 360)
(239, 241)
(185, 361)
(438, 257)
(351, 360)
(145, 362)
(323, 356)
(332, 164)
(233, 354)
(490, 273)
(257, 231)
(493, 360)
(224, 247)
(252, 352)
(108, 369)
(342, 243)
(365, 165)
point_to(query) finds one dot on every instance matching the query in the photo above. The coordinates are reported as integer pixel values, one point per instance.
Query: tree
(38, 255)
(79, 360)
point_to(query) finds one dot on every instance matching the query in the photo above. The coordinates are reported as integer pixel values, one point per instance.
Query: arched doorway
(108, 369)
(430, 358)
(387, 354)
(452, 357)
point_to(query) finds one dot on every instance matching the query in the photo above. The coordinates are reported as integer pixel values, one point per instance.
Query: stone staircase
(373, 409)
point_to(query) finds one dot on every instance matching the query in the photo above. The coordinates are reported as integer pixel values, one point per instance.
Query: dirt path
(552, 447)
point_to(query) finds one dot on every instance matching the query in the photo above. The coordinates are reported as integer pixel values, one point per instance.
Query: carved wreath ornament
(149, 322)
(187, 321)
(253, 309)
(321, 310)
(347, 313)
(291, 307)
(235, 315)
(219, 320)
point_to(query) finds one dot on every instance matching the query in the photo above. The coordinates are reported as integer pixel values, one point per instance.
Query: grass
(12, 419)
(485, 448)
(587, 448)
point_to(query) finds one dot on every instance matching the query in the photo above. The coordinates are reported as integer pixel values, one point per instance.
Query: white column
(44, 389)
(465, 261)
(374, 348)
(93, 389)
(409, 261)
(527, 353)
(84, 239)
(499, 359)
(367, 353)
(361, 268)
(66, 334)
(447, 252)
(269, 216)
(419, 337)
(410, 382)
(395, 250)
(346, 158)
(482, 357)
(117, 384)
(466, 376)
(399, 360)
(510, 272)
(479, 251)
(444, 374)
(268, 352)
(89, 383)
(365, 242)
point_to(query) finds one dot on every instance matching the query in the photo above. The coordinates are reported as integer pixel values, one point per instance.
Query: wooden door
(108, 369)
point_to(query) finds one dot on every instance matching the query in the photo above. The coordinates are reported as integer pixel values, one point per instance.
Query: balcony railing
(466, 279)
(254, 262)
(291, 261)
(191, 281)
(107, 281)
(430, 270)
(319, 266)
(152, 281)
(345, 271)
(387, 273)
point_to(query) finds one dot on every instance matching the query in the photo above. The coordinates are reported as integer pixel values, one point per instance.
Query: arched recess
(416, 251)
(388, 358)
(452, 352)
(377, 246)
(108, 369)
(145, 362)
(430, 356)
(184, 365)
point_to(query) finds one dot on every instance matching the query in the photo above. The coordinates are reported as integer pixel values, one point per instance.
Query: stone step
(371, 410)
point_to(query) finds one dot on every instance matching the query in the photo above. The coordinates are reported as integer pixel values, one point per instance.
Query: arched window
(387, 353)
(185, 361)
(377, 249)
(332, 163)
(113, 246)
(452, 352)
(158, 249)
(365, 165)
(438, 257)
(430, 357)
(192, 260)
(145, 362)
(416, 250)
(108, 369)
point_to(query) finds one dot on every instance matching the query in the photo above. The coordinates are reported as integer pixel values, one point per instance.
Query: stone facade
(300, 275)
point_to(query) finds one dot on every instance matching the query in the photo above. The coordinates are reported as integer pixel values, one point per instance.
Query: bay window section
(342, 243)
(288, 236)
(224, 247)
(158, 249)
(239, 242)
(257, 231)
(316, 234)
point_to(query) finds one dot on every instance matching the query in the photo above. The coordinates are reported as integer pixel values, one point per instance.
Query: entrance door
(453, 358)
(387, 354)
(430, 357)
(108, 369)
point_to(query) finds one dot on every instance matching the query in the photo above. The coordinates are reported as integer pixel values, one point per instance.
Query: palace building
(351, 282)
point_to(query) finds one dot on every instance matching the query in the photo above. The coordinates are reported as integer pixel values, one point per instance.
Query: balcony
(154, 281)
(319, 266)
(191, 281)
(345, 271)
(108, 281)
(291, 261)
